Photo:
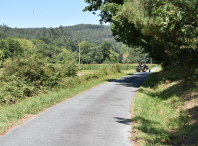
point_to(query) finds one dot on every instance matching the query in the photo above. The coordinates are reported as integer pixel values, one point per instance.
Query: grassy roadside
(10, 115)
(86, 71)
(127, 66)
(1, 70)
(165, 112)
(92, 71)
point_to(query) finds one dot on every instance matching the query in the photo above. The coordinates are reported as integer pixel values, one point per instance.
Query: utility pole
(79, 58)
(80, 39)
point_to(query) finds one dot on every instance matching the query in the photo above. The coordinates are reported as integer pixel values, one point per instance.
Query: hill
(94, 34)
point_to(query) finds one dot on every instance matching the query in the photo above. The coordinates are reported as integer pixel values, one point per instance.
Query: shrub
(34, 71)
(25, 77)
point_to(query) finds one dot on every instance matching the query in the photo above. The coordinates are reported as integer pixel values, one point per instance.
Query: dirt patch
(26, 118)
(189, 104)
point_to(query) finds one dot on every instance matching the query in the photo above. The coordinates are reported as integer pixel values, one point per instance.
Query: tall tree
(106, 47)
(167, 30)
(85, 46)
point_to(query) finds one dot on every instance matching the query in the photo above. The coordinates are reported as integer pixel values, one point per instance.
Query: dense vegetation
(165, 108)
(166, 30)
(94, 34)
(96, 42)
(28, 70)
(36, 60)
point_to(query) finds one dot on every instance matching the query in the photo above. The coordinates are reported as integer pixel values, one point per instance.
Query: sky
(45, 13)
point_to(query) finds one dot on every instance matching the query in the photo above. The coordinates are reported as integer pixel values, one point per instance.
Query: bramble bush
(25, 77)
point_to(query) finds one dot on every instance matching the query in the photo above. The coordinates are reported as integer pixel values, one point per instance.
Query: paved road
(97, 117)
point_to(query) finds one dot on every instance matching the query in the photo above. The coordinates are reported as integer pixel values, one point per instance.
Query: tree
(96, 54)
(113, 57)
(3, 36)
(45, 39)
(106, 47)
(167, 30)
(85, 46)
(125, 57)
(132, 54)
(95, 5)
(11, 48)
(4, 49)
(84, 50)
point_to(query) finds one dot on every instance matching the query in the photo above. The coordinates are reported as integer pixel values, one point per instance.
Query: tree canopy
(96, 43)
(166, 29)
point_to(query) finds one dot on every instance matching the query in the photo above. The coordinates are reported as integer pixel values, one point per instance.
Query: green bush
(115, 68)
(25, 77)
(33, 71)
(15, 89)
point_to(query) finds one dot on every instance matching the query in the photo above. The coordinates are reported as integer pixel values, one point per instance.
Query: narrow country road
(97, 117)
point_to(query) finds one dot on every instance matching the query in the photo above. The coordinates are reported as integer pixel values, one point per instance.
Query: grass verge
(10, 115)
(165, 112)
(1, 70)
(86, 71)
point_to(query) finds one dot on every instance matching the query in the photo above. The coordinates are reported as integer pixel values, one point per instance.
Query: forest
(96, 42)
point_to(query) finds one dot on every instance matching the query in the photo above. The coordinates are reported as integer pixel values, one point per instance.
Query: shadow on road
(134, 80)
(123, 121)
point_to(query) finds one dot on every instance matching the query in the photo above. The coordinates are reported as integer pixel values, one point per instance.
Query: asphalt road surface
(97, 117)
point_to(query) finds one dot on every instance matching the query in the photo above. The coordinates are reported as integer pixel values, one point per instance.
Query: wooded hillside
(96, 41)
(95, 34)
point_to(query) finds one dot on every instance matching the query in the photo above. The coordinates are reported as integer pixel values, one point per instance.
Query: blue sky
(47, 13)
